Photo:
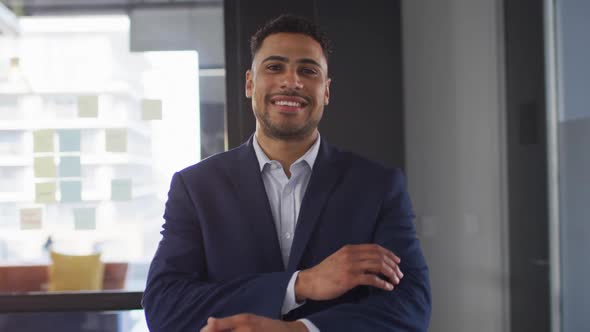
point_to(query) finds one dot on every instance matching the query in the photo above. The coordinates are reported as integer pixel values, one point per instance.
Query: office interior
(482, 103)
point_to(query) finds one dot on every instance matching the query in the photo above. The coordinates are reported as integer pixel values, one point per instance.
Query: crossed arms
(180, 297)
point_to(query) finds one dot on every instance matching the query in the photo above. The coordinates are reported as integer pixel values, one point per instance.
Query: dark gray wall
(365, 112)
(527, 166)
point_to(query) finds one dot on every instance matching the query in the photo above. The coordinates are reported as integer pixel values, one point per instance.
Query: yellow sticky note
(116, 140)
(31, 218)
(44, 167)
(43, 140)
(151, 109)
(45, 192)
(88, 106)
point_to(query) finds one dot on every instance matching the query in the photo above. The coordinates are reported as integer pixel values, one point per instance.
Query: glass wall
(571, 114)
(90, 135)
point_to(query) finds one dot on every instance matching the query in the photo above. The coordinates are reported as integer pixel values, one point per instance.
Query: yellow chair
(75, 272)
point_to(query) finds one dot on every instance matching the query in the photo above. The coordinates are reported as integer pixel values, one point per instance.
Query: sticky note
(121, 189)
(69, 167)
(71, 191)
(44, 167)
(69, 140)
(45, 192)
(116, 140)
(84, 218)
(43, 140)
(151, 109)
(88, 106)
(31, 218)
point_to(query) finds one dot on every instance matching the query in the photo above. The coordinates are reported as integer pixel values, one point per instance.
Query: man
(286, 232)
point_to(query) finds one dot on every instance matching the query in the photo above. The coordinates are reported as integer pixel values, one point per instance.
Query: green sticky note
(71, 191)
(43, 140)
(45, 192)
(151, 109)
(88, 106)
(31, 218)
(69, 167)
(116, 140)
(44, 167)
(121, 189)
(84, 218)
(69, 140)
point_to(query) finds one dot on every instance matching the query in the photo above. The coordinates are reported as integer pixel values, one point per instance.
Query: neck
(285, 152)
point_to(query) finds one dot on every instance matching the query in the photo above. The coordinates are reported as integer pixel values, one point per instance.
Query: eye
(309, 71)
(273, 67)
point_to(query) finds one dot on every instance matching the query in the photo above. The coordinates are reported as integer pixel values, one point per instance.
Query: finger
(226, 323)
(370, 249)
(383, 259)
(398, 272)
(377, 267)
(212, 325)
(361, 252)
(375, 281)
(245, 328)
(209, 327)
(387, 253)
(394, 266)
(236, 321)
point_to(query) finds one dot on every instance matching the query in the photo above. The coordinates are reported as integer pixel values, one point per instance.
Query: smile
(287, 103)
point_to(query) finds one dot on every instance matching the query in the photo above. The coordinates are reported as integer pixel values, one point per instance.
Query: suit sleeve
(408, 306)
(178, 296)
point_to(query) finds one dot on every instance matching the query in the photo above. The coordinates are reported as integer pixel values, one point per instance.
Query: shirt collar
(309, 157)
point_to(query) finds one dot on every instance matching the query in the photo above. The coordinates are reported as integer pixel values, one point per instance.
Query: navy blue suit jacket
(220, 256)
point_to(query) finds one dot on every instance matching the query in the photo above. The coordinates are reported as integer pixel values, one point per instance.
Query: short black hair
(290, 24)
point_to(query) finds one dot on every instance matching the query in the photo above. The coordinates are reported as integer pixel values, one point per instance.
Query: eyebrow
(285, 59)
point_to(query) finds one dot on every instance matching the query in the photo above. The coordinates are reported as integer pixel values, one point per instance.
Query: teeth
(288, 103)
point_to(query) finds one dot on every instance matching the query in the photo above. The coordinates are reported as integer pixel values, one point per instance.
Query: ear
(327, 92)
(249, 83)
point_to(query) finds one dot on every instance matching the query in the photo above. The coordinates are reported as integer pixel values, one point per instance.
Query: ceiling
(50, 7)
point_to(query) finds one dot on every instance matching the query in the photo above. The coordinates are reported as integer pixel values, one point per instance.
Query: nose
(291, 81)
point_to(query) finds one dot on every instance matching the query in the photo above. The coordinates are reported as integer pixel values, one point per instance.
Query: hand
(351, 266)
(251, 323)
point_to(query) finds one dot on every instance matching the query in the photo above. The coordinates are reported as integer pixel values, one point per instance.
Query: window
(90, 135)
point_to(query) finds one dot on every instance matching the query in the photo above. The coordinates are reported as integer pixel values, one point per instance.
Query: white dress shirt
(284, 196)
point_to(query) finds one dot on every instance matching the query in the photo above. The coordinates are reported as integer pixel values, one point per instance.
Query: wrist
(301, 286)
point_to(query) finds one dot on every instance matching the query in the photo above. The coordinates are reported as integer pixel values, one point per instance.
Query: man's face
(289, 86)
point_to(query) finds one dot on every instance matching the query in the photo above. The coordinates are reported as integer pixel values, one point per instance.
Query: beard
(286, 132)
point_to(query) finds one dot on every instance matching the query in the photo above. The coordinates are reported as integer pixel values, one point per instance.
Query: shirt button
(288, 235)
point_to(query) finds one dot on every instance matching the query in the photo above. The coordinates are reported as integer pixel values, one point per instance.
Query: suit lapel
(254, 202)
(325, 176)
